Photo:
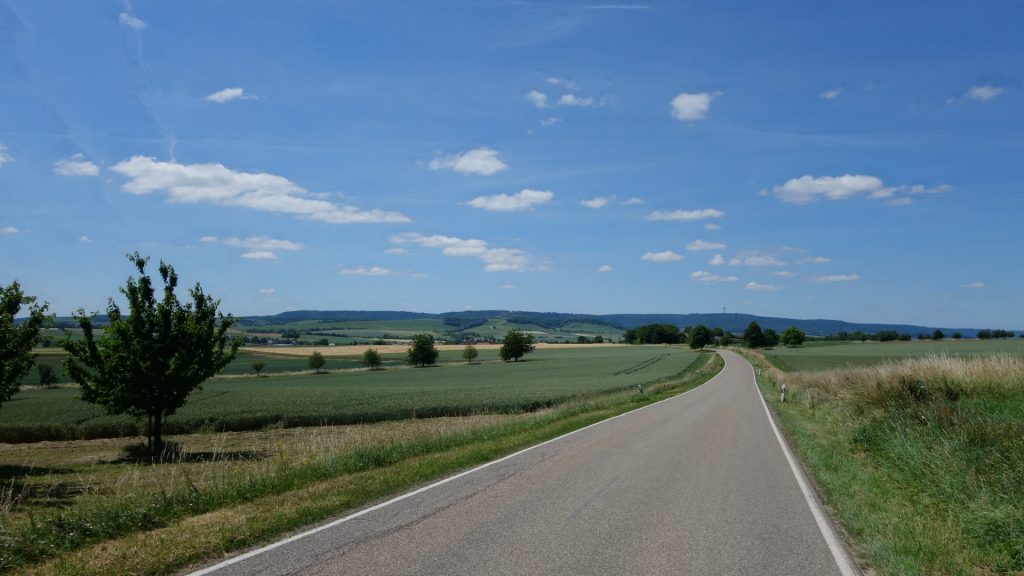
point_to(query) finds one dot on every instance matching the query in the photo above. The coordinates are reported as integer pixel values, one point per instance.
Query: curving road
(696, 484)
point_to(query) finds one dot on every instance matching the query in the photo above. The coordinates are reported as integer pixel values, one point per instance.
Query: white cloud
(975, 285)
(634, 201)
(495, 259)
(717, 260)
(76, 165)
(525, 199)
(758, 260)
(372, 271)
(704, 245)
(831, 93)
(712, 226)
(837, 278)
(755, 287)
(262, 243)
(482, 161)
(984, 93)
(215, 184)
(538, 99)
(806, 189)
(782, 274)
(260, 255)
(550, 121)
(562, 82)
(508, 287)
(598, 202)
(605, 268)
(4, 156)
(84, 239)
(686, 215)
(208, 239)
(397, 251)
(692, 107)
(267, 291)
(703, 276)
(575, 101)
(9, 230)
(666, 256)
(130, 21)
(814, 260)
(229, 94)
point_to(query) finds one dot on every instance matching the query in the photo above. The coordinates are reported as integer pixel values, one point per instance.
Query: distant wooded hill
(555, 320)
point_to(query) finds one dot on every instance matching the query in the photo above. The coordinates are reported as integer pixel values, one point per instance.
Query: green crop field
(826, 355)
(546, 377)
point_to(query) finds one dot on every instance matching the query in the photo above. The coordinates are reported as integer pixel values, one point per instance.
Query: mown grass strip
(191, 526)
(920, 460)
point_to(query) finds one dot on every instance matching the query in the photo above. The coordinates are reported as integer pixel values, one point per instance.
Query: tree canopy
(317, 361)
(372, 359)
(146, 364)
(753, 337)
(422, 352)
(699, 336)
(653, 334)
(469, 353)
(516, 345)
(793, 336)
(17, 339)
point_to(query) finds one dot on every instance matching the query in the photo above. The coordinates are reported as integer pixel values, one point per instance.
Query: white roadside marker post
(782, 397)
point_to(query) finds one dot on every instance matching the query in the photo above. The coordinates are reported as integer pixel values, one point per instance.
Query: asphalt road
(697, 484)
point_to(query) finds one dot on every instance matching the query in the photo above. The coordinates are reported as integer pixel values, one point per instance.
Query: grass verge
(921, 460)
(190, 524)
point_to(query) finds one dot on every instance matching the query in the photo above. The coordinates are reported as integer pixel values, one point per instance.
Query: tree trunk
(157, 444)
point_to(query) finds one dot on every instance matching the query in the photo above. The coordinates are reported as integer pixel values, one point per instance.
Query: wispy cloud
(692, 106)
(267, 291)
(634, 201)
(837, 278)
(783, 273)
(83, 239)
(9, 230)
(814, 260)
(262, 243)
(704, 245)
(665, 256)
(481, 161)
(755, 259)
(983, 93)
(618, 7)
(397, 251)
(755, 287)
(260, 255)
(550, 121)
(5, 157)
(575, 101)
(604, 269)
(831, 93)
(974, 285)
(495, 259)
(229, 94)
(712, 226)
(363, 271)
(704, 276)
(807, 189)
(685, 215)
(76, 165)
(130, 21)
(716, 260)
(537, 98)
(598, 202)
(208, 239)
(216, 184)
(525, 199)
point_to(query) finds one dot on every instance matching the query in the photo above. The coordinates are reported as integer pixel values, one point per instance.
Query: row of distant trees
(700, 336)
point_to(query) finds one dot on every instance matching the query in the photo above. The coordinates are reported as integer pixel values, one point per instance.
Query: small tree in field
(146, 364)
(699, 336)
(47, 375)
(258, 367)
(938, 335)
(422, 352)
(753, 337)
(516, 345)
(469, 353)
(317, 361)
(17, 340)
(793, 336)
(372, 359)
(771, 338)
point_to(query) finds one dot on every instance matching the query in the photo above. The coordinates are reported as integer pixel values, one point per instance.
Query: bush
(372, 359)
(422, 352)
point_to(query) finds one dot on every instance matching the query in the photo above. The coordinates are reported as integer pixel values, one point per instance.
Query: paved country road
(696, 484)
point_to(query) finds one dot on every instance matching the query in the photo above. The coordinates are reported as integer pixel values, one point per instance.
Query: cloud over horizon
(495, 259)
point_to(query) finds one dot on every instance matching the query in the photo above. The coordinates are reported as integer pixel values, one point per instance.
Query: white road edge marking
(846, 565)
(339, 521)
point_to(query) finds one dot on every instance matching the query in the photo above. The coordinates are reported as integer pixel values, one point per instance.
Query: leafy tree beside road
(793, 336)
(146, 364)
(422, 352)
(699, 336)
(753, 337)
(516, 345)
(17, 340)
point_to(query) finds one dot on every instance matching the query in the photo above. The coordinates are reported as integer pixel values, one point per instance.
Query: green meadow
(828, 355)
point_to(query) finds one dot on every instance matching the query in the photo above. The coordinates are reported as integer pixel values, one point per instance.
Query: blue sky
(858, 161)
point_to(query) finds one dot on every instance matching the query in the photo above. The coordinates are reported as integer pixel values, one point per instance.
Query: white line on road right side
(839, 553)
